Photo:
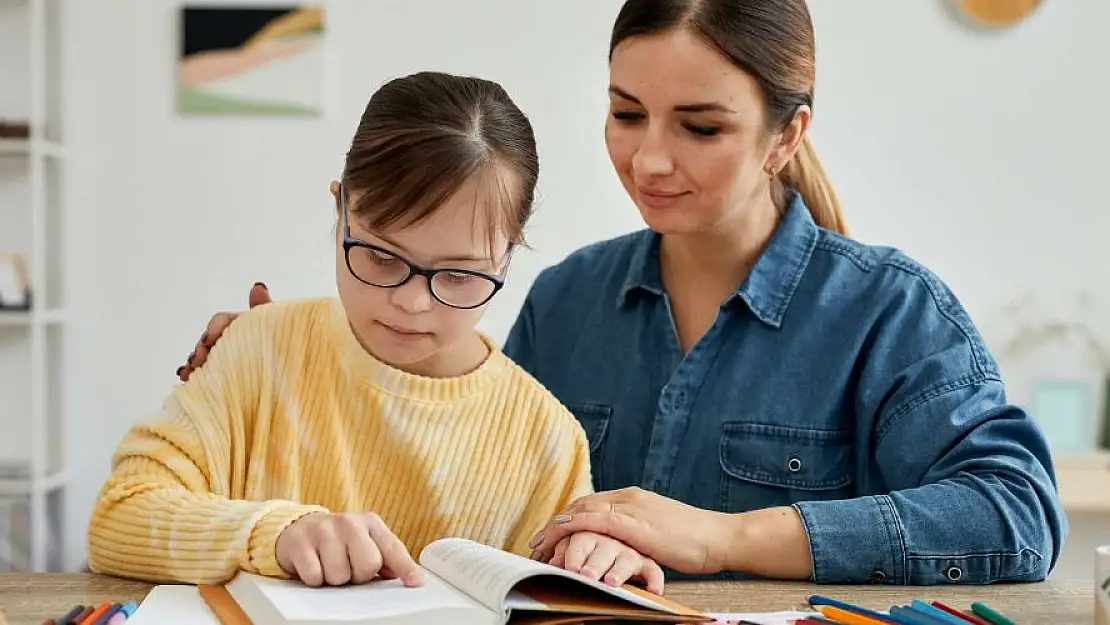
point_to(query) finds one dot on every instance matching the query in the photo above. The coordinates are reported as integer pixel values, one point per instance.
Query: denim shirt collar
(770, 285)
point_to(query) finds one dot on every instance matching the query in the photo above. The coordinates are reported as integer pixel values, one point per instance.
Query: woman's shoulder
(868, 270)
(896, 301)
(596, 267)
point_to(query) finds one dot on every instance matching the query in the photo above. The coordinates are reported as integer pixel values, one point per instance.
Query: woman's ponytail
(805, 174)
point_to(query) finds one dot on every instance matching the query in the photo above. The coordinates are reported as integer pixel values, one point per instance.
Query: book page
(489, 574)
(173, 604)
(276, 600)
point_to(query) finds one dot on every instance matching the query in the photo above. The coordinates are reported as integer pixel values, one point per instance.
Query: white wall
(981, 154)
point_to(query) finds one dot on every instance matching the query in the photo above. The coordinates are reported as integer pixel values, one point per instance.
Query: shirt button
(954, 574)
(878, 576)
(794, 465)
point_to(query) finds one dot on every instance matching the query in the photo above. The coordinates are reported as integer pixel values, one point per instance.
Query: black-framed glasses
(377, 266)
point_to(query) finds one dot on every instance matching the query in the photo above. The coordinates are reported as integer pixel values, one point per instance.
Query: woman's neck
(721, 259)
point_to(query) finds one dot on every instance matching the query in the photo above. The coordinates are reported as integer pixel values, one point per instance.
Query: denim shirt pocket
(765, 465)
(594, 419)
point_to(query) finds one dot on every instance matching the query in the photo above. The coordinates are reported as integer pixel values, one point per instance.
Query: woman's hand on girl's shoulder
(602, 558)
(259, 295)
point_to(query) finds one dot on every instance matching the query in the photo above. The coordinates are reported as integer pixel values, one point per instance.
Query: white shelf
(16, 487)
(20, 319)
(32, 223)
(32, 147)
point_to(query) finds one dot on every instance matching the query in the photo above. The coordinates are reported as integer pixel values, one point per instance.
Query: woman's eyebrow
(697, 107)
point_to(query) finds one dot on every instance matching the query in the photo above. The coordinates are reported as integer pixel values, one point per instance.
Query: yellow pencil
(846, 617)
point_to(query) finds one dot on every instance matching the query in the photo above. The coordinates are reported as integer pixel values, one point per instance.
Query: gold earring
(770, 171)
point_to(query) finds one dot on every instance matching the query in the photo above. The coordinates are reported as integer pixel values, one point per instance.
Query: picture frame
(15, 283)
(250, 60)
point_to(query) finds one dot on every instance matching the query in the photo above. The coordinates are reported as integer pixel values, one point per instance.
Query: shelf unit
(32, 466)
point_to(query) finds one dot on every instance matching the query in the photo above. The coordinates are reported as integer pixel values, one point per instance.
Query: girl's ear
(334, 186)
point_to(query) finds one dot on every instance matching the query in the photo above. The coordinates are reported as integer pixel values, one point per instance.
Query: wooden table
(28, 599)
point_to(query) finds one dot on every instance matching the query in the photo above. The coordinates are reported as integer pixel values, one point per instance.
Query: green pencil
(994, 617)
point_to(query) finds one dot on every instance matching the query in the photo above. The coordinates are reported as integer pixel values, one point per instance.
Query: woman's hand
(338, 549)
(606, 559)
(770, 542)
(259, 295)
(674, 534)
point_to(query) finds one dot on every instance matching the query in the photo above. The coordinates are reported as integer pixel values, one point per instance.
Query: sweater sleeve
(565, 478)
(165, 513)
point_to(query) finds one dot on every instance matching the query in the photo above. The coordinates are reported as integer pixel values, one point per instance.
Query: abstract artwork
(251, 60)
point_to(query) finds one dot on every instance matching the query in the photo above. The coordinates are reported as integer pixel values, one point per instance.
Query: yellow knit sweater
(290, 415)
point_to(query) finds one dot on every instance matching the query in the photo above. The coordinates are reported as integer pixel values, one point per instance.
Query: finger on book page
(394, 554)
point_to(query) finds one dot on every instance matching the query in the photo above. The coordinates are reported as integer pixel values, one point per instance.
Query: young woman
(763, 395)
(332, 439)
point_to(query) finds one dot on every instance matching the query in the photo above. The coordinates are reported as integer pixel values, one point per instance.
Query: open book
(465, 583)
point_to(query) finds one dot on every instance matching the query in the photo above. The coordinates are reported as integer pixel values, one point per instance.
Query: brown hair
(423, 136)
(772, 40)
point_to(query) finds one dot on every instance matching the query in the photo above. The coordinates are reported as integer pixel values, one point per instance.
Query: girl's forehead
(473, 222)
(459, 233)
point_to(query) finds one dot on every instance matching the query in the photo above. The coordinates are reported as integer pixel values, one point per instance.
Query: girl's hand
(606, 559)
(338, 549)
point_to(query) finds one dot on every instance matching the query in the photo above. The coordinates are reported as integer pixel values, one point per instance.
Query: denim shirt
(843, 379)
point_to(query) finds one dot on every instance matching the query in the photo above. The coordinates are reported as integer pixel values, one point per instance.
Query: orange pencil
(846, 617)
(80, 618)
(95, 614)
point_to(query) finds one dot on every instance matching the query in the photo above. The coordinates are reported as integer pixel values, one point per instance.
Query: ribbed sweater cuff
(262, 548)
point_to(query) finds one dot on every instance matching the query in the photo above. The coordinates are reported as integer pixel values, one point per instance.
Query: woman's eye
(705, 131)
(628, 116)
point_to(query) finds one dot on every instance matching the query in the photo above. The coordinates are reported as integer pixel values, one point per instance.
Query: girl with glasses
(332, 439)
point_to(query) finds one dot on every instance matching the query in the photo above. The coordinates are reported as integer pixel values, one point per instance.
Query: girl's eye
(381, 258)
(457, 278)
(704, 131)
(628, 116)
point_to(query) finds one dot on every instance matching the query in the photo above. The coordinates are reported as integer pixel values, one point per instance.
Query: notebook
(465, 583)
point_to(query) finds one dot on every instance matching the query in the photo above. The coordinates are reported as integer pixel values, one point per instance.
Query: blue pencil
(936, 613)
(816, 600)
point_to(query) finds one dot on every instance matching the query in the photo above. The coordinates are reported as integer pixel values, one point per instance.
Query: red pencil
(975, 620)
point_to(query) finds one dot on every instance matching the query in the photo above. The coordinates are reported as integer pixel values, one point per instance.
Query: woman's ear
(789, 139)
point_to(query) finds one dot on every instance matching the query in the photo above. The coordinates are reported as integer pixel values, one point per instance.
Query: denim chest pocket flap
(788, 457)
(594, 419)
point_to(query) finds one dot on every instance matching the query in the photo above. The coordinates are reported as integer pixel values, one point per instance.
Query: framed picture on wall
(251, 60)
(15, 285)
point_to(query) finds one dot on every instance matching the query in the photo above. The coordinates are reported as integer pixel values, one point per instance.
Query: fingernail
(562, 518)
(535, 554)
(536, 540)
(262, 284)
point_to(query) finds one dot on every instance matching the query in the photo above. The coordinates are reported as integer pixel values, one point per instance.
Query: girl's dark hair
(423, 136)
(772, 40)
